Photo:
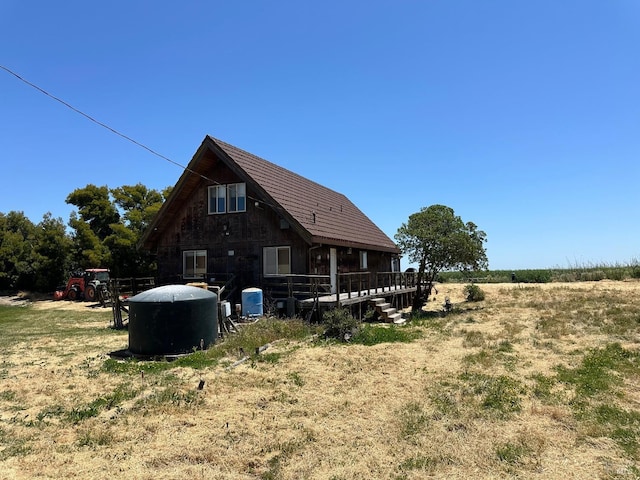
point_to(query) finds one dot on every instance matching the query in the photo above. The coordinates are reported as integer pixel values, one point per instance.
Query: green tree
(32, 257)
(87, 250)
(108, 225)
(17, 241)
(437, 240)
(96, 208)
(53, 247)
(139, 205)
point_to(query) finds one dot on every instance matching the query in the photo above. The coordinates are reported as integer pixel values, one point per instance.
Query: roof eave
(359, 245)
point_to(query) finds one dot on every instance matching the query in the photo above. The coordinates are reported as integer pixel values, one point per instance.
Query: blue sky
(522, 116)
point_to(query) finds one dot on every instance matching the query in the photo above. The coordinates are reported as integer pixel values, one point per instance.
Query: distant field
(536, 381)
(577, 273)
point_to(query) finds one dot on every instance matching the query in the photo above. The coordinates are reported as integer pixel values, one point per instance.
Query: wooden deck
(352, 298)
(312, 292)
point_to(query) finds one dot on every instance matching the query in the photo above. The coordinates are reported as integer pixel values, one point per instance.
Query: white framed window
(228, 198)
(237, 195)
(277, 260)
(363, 260)
(217, 199)
(194, 263)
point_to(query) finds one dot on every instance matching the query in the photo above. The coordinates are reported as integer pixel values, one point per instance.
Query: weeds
(172, 396)
(490, 354)
(543, 388)
(594, 375)
(93, 438)
(512, 453)
(106, 402)
(375, 334)
(296, 379)
(594, 381)
(473, 339)
(623, 426)
(16, 448)
(445, 401)
(423, 463)
(286, 451)
(499, 396)
(413, 421)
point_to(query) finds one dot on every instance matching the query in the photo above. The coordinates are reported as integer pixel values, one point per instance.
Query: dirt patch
(14, 301)
(43, 302)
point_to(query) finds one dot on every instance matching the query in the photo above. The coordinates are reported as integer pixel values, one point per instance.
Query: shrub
(474, 293)
(340, 324)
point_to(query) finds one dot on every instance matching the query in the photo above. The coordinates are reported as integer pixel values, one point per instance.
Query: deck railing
(297, 285)
(347, 285)
(366, 284)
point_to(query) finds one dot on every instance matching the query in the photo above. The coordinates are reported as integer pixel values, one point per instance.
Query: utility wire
(112, 130)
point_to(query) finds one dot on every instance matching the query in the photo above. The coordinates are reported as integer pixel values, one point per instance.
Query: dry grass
(476, 396)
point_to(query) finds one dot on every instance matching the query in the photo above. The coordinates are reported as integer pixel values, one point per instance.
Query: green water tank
(171, 320)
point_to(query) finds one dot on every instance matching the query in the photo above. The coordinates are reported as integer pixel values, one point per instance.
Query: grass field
(536, 381)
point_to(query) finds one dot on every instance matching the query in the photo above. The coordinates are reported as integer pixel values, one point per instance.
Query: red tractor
(91, 285)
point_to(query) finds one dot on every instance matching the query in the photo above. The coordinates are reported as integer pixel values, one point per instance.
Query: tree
(17, 241)
(139, 205)
(108, 225)
(96, 208)
(88, 251)
(437, 240)
(52, 253)
(32, 256)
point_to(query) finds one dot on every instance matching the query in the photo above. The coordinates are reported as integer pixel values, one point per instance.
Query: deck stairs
(386, 312)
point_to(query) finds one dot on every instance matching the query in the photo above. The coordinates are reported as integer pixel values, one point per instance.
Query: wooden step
(386, 312)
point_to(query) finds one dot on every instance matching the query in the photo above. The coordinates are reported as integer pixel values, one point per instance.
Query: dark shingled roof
(323, 215)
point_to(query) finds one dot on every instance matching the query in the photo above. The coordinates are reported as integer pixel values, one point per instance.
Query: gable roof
(319, 214)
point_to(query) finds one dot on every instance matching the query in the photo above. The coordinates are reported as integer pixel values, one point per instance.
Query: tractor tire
(90, 293)
(72, 295)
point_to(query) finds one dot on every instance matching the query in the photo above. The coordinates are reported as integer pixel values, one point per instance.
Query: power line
(89, 117)
(113, 130)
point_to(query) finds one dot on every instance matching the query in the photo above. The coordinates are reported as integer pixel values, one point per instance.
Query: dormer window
(230, 198)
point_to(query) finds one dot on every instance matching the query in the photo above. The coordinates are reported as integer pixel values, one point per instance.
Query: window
(228, 198)
(217, 199)
(194, 263)
(237, 197)
(363, 260)
(277, 260)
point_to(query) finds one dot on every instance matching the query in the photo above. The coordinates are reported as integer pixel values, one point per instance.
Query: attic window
(228, 198)
(237, 194)
(218, 199)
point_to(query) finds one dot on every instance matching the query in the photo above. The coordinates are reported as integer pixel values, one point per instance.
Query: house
(237, 218)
